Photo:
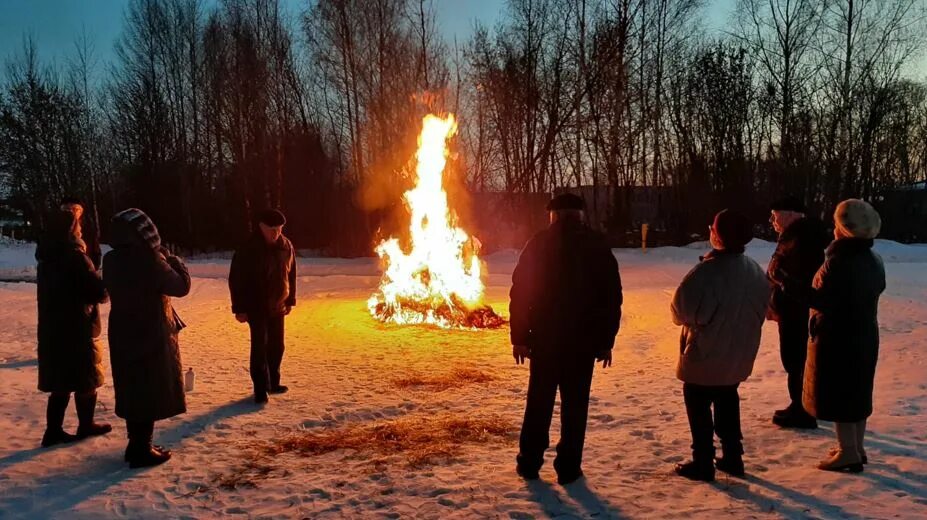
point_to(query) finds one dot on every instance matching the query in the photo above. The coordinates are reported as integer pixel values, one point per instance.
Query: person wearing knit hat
(141, 277)
(799, 252)
(721, 306)
(844, 340)
(732, 231)
(262, 283)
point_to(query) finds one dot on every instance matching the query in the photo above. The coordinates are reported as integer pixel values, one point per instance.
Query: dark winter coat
(799, 254)
(262, 278)
(69, 291)
(844, 332)
(143, 327)
(721, 305)
(566, 293)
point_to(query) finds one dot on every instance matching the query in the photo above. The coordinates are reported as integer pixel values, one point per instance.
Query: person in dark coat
(721, 305)
(844, 346)
(800, 252)
(141, 276)
(262, 282)
(565, 312)
(69, 292)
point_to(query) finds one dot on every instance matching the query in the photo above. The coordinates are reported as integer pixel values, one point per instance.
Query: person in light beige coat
(721, 305)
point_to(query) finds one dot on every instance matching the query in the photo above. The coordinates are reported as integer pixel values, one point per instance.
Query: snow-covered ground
(342, 368)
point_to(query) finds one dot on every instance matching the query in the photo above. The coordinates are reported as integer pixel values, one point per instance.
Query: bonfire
(439, 281)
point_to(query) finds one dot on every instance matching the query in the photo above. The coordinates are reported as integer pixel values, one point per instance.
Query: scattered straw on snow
(423, 440)
(438, 382)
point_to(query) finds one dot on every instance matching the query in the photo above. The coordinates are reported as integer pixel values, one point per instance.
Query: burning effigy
(439, 280)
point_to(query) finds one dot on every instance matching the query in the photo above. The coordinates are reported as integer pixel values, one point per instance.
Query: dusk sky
(55, 24)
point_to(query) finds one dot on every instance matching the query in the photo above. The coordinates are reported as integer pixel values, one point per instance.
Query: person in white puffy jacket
(721, 305)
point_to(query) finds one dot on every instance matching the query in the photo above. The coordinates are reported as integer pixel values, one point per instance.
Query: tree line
(212, 111)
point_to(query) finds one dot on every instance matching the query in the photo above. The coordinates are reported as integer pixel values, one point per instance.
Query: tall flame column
(435, 282)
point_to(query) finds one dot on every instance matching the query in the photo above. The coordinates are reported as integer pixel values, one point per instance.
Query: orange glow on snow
(438, 281)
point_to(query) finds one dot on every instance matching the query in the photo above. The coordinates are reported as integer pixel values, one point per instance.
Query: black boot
(53, 437)
(798, 419)
(527, 473)
(733, 465)
(140, 453)
(86, 405)
(569, 477)
(54, 420)
(696, 470)
(157, 447)
(147, 456)
(732, 458)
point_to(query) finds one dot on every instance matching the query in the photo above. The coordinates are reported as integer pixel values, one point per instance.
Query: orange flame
(436, 282)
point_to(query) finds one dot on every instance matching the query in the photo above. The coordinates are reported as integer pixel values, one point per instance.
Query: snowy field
(345, 370)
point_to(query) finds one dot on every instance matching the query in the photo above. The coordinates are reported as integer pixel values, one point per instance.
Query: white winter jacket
(721, 305)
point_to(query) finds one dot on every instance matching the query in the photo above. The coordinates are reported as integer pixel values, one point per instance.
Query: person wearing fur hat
(565, 311)
(262, 283)
(843, 348)
(799, 251)
(141, 277)
(721, 305)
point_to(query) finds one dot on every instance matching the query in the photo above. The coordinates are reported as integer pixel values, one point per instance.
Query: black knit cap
(566, 201)
(733, 228)
(789, 203)
(272, 218)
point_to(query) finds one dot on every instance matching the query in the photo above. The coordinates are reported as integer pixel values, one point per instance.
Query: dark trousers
(140, 434)
(266, 351)
(574, 378)
(726, 423)
(85, 402)
(793, 348)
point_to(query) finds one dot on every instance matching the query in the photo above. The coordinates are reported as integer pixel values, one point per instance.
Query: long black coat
(143, 327)
(566, 293)
(69, 291)
(799, 254)
(844, 333)
(262, 277)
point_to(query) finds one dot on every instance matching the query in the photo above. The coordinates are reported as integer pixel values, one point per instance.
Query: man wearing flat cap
(262, 282)
(565, 311)
(799, 254)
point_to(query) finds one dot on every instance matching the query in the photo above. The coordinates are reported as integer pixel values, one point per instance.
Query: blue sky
(55, 24)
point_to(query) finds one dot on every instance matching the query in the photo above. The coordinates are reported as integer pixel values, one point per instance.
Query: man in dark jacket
(799, 254)
(262, 281)
(565, 312)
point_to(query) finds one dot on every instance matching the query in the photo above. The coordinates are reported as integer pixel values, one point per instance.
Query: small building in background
(620, 211)
(904, 213)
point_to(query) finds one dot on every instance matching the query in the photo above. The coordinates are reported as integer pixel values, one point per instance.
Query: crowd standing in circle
(565, 310)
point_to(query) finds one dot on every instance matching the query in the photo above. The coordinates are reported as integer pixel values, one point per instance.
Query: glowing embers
(438, 281)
